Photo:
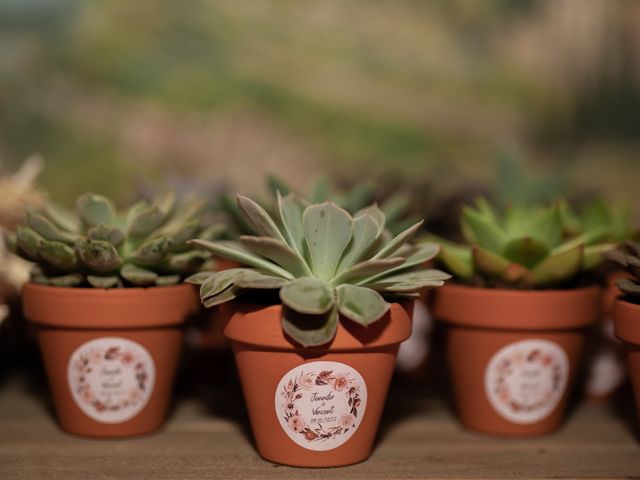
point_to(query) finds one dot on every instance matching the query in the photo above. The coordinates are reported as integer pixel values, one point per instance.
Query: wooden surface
(207, 437)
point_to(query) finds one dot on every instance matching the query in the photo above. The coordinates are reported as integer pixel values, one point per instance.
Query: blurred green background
(121, 95)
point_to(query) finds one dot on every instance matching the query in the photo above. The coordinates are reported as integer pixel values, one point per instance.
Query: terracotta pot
(606, 369)
(321, 406)
(513, 355)
(110, 355)
(626, 316)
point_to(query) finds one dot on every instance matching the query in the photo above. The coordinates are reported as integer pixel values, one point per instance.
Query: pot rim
(505, 309)
(261, 326)
(626, 317)
(115, 308)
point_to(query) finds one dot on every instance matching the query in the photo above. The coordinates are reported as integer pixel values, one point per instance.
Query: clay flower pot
(315, 406)
(110, 355)
(626, 316)
(607, 371)
(513, 355)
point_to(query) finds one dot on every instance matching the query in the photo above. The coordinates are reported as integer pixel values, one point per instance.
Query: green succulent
(99, 247)
(323, 261)
(605, 227)
(628, 257)
(524, 248)
(396, 207)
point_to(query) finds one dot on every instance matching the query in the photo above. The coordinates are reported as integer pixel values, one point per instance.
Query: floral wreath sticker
(525, 381)
(111, 378)
(320, 405)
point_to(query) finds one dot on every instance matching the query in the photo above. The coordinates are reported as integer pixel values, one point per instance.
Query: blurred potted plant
(107, 297)
(608, 226)
(626, 314)
(517, 317)
(17, 191)
(316, 354)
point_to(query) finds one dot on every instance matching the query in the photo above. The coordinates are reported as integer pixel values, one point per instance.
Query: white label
(525, 380)
(320, 404)
(111, 378)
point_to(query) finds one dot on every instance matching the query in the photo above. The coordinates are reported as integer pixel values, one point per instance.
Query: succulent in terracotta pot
(517, 314)
(610, 225)
(340, 292)
(107, 297)
(626, 313)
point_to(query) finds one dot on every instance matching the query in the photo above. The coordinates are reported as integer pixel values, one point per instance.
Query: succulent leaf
(44, 227)
(95, 210)
(290, 210)
(308, 295)
(368, 268)
(62, 218)
(360, 304)
(258, 219)
(557, 267)
(153, 251)
(278, 252)
(365, 232)
(98, 281)
(319, 331)
(58, 254)
(107, 233)
(327, 230)
(28, 242)
(140, 277)
(527, 251)
(398, 241)
(70, 280)
(98, 255)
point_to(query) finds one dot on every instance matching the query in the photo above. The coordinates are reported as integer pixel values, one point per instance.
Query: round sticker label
(525, 380)
(111, 378)
(320, 404)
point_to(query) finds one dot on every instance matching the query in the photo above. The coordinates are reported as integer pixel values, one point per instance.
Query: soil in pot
(627, 328)
(513, 355)
(315, 407)
(110, 355)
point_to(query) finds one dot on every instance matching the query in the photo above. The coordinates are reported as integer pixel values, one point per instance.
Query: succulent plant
(524, 248)
(323, 261)
(395, 207)
(628, 257)
(100, 247)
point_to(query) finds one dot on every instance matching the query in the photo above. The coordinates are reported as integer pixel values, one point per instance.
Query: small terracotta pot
(606, 369)
(320, 406)
(110, 355)
(513, 355)
(626, 316)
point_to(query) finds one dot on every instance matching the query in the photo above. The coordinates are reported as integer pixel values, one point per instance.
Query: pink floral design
(87, 361)
(341, 383)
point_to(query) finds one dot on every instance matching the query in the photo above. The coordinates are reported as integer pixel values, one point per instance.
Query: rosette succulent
(524, 248)
(99, 247)
(629, 258)
(323, 262)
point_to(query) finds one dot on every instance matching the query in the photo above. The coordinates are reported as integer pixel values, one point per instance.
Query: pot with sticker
(320, 311)
(517, 317)
(108, 302)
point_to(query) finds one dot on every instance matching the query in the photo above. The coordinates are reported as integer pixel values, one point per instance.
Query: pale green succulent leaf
(310, 334)
(62, 217)
(398, 241)
(97, 281)
(594, 255)
(108, 233)
(526, 251)
(46, 228)
(376, 213)
(70, 280)
(28, 242)
(494, 265)
(138, 276)
(290, 209)
(278, 252)
(481, 230)
(198, 278)
(415, 255)
(360, 304)
(258, 219)
(152, 251)
(327, 230)
(187, 261)
(237, 253)
(558, 267)
(308, 295)
(409, 282)
(145, 221)
(167, 280)
(365, 233)
(95, 210)
(98, 255)
(368, 268)
(58, 254)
